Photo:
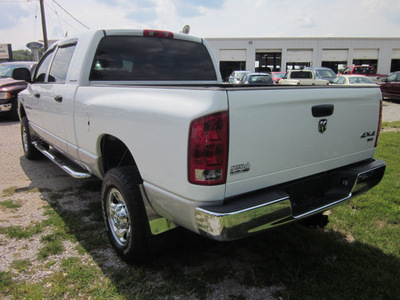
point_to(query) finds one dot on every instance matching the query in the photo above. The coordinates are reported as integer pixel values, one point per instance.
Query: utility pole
(46, 43)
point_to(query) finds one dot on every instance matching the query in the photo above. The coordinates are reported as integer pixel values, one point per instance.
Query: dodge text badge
(322, 124)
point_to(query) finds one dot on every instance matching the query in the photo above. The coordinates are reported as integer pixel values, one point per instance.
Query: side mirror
(384, 79)
(21, 74)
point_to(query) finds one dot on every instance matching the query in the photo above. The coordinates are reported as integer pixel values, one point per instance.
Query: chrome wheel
(118, 217)
(124, 213)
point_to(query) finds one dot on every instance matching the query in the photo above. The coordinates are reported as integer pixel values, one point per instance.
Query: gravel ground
(391, 111)
(24, 178)
(20, 182)
(30, 185)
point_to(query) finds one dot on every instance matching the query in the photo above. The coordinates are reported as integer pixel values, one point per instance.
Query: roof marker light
(158, 33)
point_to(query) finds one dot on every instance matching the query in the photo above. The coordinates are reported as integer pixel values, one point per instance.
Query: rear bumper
(257, 211)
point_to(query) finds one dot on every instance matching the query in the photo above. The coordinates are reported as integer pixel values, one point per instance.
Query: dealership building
(281, 54)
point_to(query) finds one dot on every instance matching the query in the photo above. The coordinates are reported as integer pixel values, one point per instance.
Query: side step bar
(65, 164)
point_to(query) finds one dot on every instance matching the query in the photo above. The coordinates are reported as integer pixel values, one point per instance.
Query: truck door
(53, 97)
(31, 98)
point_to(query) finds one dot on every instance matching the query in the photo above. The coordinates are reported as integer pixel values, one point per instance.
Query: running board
(65, 164)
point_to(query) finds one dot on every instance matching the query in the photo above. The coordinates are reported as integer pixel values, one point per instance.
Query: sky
(20, 20)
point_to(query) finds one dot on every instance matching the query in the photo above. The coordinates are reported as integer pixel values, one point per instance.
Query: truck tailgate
(280, 134)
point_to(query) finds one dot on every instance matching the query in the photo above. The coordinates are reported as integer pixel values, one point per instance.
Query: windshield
(279, 75)
(360, 80)
(6, 69)
(326, 73)
(240, 75)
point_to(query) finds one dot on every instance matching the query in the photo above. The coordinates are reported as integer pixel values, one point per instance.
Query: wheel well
(21, 111)
(115, 153)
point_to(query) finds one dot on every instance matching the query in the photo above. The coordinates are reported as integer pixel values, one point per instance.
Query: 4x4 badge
(322, 124)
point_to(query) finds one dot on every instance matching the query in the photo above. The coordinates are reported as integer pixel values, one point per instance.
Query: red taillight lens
(208, 149)
(378, 131)
(158, 33)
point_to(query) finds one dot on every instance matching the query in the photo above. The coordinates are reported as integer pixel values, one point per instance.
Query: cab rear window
(126, 58)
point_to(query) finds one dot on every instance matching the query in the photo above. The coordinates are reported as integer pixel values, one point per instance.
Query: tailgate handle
(323, 110)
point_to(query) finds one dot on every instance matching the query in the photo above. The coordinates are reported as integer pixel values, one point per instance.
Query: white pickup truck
(146, 112)
(301, 77)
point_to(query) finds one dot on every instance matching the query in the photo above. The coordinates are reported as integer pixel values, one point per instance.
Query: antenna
(186, 29)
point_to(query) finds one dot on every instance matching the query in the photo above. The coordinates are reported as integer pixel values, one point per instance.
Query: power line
(70, 14)
(62, 24)
(58, 17)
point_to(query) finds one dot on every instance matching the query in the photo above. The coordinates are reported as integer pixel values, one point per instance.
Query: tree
(25, 55)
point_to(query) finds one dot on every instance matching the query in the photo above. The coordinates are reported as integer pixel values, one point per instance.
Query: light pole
(46, 44)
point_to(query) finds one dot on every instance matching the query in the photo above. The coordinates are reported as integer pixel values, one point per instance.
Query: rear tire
(124, 214)
(30, 150)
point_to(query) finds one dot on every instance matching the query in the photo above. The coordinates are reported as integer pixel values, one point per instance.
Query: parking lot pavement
(391, 111)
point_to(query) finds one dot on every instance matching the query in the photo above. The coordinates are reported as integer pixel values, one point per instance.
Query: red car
(9, 88)
(369, 71)
(390, 86)
(276, 76)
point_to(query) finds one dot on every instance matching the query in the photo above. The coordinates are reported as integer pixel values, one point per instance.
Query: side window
(60, 65)
(41, 70)
(391, 77)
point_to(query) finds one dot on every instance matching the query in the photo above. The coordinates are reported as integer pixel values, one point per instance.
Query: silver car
(236, 76)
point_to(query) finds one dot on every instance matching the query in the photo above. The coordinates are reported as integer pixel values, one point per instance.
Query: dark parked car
(258, 79)
(9, 88)
(390, 86)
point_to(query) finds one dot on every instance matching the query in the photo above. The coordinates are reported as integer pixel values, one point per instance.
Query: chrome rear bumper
(255, 212)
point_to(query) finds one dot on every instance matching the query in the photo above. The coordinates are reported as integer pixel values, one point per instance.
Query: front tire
(30, 150)
(124, 214)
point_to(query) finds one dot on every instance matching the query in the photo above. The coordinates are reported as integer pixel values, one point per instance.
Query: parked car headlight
(4, 95)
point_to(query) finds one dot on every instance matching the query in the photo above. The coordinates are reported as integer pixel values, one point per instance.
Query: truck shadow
(293, 262)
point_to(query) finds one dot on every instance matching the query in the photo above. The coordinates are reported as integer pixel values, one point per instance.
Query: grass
(390, 125)
(21, 264)
(10, 204)
(357, 256)
(374, 218)
(20, 232)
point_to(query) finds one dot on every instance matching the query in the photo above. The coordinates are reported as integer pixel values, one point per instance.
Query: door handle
(58, 98)
(37, 95)
(323, 110)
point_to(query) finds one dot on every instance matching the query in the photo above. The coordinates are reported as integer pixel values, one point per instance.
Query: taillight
(208, 149)
(158, 33)
(378, 131)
